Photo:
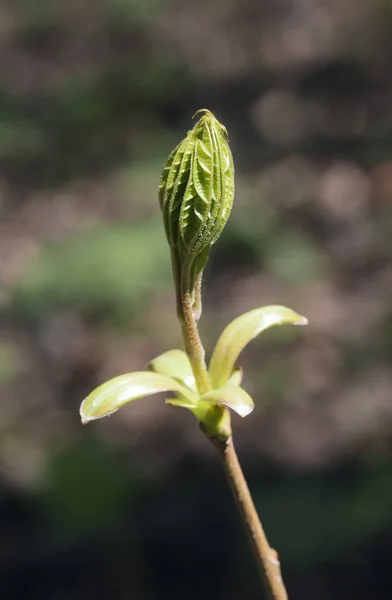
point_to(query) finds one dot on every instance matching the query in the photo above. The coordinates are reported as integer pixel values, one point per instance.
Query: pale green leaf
(236, 376)
(113, 394)
(181, 402)
(233, 397)
(174, 364)
(240, 332)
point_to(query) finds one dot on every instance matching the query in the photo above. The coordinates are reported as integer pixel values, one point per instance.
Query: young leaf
(236, 376)
(174, 364)
(181, 402)
(113, 394)
(233, 397)
(240, 332)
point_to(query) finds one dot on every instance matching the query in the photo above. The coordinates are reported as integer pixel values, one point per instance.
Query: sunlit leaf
(182, 402)
(233, 397)
(113, 394)
(236, 376)
(240, 332)
(174, 364)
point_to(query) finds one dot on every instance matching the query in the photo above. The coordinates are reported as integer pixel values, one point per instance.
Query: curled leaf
(240, 332)
(174, 364)
(233, 397)
(112, 395)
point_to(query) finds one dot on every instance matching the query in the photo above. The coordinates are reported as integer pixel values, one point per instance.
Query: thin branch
(193, 345)
(267, 557)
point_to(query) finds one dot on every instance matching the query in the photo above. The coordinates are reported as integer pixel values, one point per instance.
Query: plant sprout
(196, 195)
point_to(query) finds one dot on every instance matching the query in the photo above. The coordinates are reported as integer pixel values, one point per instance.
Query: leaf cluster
(172, 372)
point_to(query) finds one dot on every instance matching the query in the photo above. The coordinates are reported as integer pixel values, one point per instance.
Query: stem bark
(266, 557)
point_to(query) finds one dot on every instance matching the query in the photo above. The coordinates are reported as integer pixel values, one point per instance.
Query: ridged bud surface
(196, 190)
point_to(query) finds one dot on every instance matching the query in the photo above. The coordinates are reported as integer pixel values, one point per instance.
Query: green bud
(196, 191)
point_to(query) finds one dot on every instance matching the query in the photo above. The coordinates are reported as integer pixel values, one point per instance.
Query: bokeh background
(94, 94)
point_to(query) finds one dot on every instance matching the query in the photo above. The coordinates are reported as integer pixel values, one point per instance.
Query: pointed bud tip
(203, 111)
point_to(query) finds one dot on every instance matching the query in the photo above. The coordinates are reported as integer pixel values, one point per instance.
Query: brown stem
(217, 428)
(267, 558)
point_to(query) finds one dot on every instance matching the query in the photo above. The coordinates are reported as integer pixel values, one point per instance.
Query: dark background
(94, 94)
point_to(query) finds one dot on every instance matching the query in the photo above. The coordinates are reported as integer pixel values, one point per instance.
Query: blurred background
(94, 94)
